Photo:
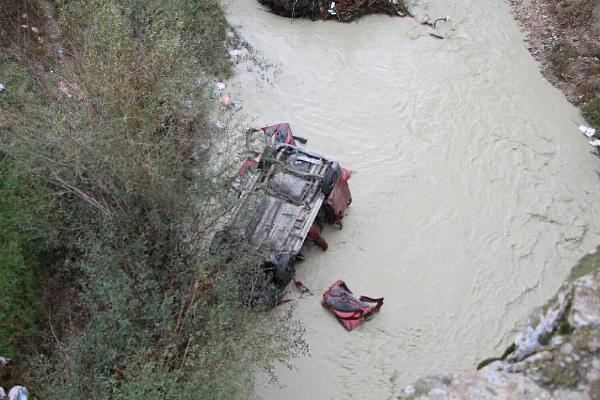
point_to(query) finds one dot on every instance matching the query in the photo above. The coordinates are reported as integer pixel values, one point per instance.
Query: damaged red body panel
(350, 311)
(339, 199)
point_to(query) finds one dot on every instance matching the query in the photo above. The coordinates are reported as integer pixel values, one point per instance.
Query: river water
(474, 192)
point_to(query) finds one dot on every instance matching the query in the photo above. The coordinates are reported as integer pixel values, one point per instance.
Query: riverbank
(565, 38)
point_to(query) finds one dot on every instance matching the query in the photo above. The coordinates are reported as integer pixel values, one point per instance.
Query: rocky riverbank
(556, 356)
(564, 36)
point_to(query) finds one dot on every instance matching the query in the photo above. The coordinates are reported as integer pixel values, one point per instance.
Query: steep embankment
(105, 291)
(556, 355)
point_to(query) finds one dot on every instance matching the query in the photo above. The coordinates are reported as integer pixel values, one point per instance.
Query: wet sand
(473, 191)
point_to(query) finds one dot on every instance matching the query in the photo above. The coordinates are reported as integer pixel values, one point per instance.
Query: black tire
(283, 270)
(265, 160)
(331, 177)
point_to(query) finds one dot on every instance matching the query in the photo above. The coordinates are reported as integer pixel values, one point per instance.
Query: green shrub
(560, 56)
(591, 112)
(111, 128)
(22, 205)
(20, 299)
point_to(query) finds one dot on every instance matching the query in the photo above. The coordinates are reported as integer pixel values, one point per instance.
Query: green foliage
(19, 287)
(138, 309)
(577, 7)
(591, 112)
(560, 56)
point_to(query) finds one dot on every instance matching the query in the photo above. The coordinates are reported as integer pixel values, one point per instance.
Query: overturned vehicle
(284, 200)
(341, 10)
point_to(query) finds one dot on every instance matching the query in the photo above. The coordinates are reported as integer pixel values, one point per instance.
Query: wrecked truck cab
(276, 211)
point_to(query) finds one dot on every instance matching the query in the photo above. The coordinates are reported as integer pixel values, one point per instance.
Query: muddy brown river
(474, 192)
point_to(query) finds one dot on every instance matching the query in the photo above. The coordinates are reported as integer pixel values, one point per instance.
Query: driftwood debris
(342, 10)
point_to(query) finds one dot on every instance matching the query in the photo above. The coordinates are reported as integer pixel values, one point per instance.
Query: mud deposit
(473, 193)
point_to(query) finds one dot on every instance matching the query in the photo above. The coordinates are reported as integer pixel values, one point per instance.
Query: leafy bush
(560, 56)
(20, 297)
(107, 111)
(591, 112)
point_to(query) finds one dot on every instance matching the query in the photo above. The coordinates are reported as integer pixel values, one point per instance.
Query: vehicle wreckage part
(350, 311)
(316, 237)
(266, 158)
(282, 269)
(330, 179)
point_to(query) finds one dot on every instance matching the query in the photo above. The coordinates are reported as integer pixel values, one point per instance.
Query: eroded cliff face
(556, 356)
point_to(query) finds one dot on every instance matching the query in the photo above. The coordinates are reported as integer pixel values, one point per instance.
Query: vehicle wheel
(283, 270)
(330, 179)
(265, 160)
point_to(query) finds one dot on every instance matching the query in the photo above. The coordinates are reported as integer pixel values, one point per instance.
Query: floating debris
(302, 288)
(342, 10)
(427, 21)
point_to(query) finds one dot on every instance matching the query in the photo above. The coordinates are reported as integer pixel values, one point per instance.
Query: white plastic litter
(587, 131)
(2, 393)
(34, 29)
(2, 87)
(4, 361)
(220, 125)
(590, 132)
(216, 90)
(595, 143)
(332, 10)
(18, 393)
